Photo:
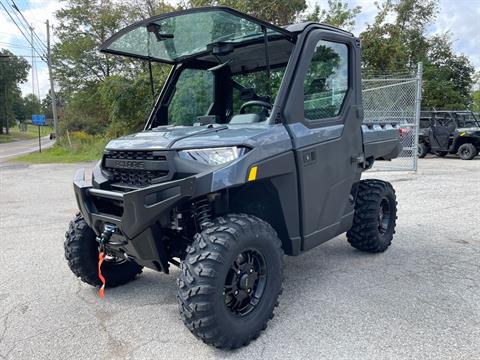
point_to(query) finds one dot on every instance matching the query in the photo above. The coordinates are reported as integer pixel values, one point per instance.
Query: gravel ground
(419, 300)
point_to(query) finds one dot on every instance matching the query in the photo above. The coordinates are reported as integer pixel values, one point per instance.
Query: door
(440, 132)
(324, 119)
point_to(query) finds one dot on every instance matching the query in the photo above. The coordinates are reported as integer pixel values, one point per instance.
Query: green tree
(476, 101)
(32, 105)
(83, 25)
(448, 77)
(85, 75)
(476, 93)
(127, 102)
(147, 8)
(280, 12)
(400, 44)
(18, 107)
(337, 14)
(13, 71)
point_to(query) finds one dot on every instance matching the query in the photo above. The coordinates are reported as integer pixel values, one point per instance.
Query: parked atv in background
(254, 149)
(449, 132)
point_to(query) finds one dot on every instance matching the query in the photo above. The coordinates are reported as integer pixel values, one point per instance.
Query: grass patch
(83, 147)
(31, 133)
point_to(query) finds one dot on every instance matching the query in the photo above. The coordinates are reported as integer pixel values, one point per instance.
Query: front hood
(184, 137)
(470, 129)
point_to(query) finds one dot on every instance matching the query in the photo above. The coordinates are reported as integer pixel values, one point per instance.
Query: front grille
(137, 178)
(136, 155)
(136, 168)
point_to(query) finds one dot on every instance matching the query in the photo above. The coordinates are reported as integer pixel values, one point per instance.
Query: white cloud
(459, 17)
(36, 14)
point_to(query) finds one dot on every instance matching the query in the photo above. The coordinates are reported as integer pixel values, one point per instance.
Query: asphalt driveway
(419, 300)
(16, 148)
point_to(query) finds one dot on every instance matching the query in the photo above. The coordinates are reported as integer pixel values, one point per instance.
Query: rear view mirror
(220, 48)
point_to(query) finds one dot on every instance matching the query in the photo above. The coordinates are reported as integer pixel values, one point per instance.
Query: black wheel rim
(245, 282)
(466, 152)
(384, 216)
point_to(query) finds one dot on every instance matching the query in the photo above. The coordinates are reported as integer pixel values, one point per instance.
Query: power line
(14, 6)
(42, 56)
(26, 28)
(27, 56)
(3, 43)
(26, 25)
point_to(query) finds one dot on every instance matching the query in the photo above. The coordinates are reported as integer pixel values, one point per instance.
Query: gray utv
(449, 132)
(254, 149)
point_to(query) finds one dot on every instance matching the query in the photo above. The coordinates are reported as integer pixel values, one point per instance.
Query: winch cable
(102, 240)
(101, 258)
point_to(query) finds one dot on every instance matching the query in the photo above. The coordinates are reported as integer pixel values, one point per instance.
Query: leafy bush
(82, 142)
(77, 146)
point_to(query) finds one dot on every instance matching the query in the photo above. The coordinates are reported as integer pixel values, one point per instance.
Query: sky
(459, 17)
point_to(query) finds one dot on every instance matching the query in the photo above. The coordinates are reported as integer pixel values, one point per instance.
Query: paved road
(17, 148)
(419, 300)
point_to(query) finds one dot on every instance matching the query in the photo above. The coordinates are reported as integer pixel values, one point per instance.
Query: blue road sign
(38, 120)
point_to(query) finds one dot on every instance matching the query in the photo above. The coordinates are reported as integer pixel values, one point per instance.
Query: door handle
(309, 157)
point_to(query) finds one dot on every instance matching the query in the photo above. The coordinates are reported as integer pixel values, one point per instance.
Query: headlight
(213, 156)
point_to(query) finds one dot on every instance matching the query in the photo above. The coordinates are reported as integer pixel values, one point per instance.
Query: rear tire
(467, 151)
(422, 150)
(230, 281)
(81, 252)
(375, 216)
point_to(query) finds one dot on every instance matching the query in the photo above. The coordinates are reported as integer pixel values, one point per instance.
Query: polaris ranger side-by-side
(254, 149)
(449, 132)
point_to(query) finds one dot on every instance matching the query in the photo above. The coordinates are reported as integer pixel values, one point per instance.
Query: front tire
(230, 281)
(422, 150)
(467, 151)
(81, 252)
(375, 216)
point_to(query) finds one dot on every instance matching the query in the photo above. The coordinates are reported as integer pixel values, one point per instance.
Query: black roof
(301, 26)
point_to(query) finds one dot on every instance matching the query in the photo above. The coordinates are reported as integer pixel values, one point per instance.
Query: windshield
(467, 120)
(194, 102)
(193, 97)
(256, 86)
(176, 36)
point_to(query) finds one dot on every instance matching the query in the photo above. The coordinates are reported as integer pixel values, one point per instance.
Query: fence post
(418, 107)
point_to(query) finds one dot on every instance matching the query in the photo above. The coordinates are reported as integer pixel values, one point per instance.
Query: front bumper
(139, 208)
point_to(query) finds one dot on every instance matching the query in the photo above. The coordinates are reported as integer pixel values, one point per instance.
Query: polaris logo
(128, 164)
(135, 164)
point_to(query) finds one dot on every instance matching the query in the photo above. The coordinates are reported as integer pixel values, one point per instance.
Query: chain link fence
(396, 99)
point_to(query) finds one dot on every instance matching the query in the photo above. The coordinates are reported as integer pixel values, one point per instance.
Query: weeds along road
(17, 148)
(419, 300)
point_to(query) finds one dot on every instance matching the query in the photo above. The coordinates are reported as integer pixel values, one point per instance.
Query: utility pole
(52, 88)
(7, 58)
(5, 95)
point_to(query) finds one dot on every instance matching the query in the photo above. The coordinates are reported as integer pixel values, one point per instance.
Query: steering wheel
(264, 104)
